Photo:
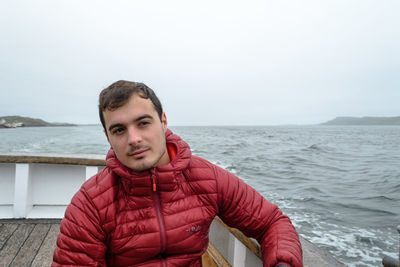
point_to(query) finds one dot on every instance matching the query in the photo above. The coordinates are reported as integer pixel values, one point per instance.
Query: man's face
(136, 134)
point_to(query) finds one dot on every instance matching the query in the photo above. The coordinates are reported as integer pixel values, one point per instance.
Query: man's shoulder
(100, 183)
(197, 162)
(202, 168)
(202, 163)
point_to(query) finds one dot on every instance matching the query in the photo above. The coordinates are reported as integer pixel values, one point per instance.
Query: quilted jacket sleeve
(81, 238)
(242, 207)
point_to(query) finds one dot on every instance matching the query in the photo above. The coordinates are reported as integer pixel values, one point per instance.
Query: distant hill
(363, 121)
(18, 121)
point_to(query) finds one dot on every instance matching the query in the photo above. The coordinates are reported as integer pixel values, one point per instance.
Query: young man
(154, 202)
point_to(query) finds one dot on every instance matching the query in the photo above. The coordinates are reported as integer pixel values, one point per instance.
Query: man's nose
(134, 137)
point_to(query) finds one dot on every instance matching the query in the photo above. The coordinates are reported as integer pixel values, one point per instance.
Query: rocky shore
(18, 121)
(363, 121)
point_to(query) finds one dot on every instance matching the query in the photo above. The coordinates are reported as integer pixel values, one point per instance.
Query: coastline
(18, 121)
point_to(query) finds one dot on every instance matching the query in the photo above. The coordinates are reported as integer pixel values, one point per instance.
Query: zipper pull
(154, 183)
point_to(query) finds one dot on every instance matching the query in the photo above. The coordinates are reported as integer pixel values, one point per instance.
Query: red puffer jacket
(116, 219)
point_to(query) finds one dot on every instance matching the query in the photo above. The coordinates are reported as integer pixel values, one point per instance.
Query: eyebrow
(145, 116)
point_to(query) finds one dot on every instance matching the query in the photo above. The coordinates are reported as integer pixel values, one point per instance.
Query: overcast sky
(210, 62)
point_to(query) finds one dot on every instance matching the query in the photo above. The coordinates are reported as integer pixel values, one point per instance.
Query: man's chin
(140, 166)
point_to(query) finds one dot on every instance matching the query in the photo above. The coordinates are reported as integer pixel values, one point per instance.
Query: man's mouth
(138, 153)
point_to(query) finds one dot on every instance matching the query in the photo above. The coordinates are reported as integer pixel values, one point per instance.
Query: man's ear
(164, 121)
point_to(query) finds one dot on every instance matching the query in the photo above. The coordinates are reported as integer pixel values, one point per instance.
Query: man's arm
(242, 207)
(81, 238)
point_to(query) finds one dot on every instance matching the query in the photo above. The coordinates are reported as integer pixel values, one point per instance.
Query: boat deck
(28, 242)
(31, 242)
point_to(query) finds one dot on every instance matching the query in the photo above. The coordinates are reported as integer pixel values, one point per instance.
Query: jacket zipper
(157, 203)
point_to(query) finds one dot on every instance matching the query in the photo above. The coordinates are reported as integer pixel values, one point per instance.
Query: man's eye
(118, 130)
(143, 123)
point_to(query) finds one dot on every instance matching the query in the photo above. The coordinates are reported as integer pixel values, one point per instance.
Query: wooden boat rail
(52, 158)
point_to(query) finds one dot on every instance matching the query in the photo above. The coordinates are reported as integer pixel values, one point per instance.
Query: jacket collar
(164, 174)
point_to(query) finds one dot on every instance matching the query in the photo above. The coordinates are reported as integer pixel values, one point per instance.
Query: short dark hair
(117, 94)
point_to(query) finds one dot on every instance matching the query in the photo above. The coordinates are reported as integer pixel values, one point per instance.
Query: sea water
(339, 185)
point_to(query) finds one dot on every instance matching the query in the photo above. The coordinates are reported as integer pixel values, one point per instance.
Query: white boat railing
(233, 245)
(41, 186)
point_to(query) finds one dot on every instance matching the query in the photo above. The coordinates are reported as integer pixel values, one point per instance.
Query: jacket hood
(179, 163)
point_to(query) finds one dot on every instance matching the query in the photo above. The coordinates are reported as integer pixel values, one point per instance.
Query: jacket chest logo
(194, 229)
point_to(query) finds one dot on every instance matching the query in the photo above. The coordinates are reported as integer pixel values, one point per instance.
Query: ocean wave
(394, 189)
(377, 198)
(364, 208)
(351, 245)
